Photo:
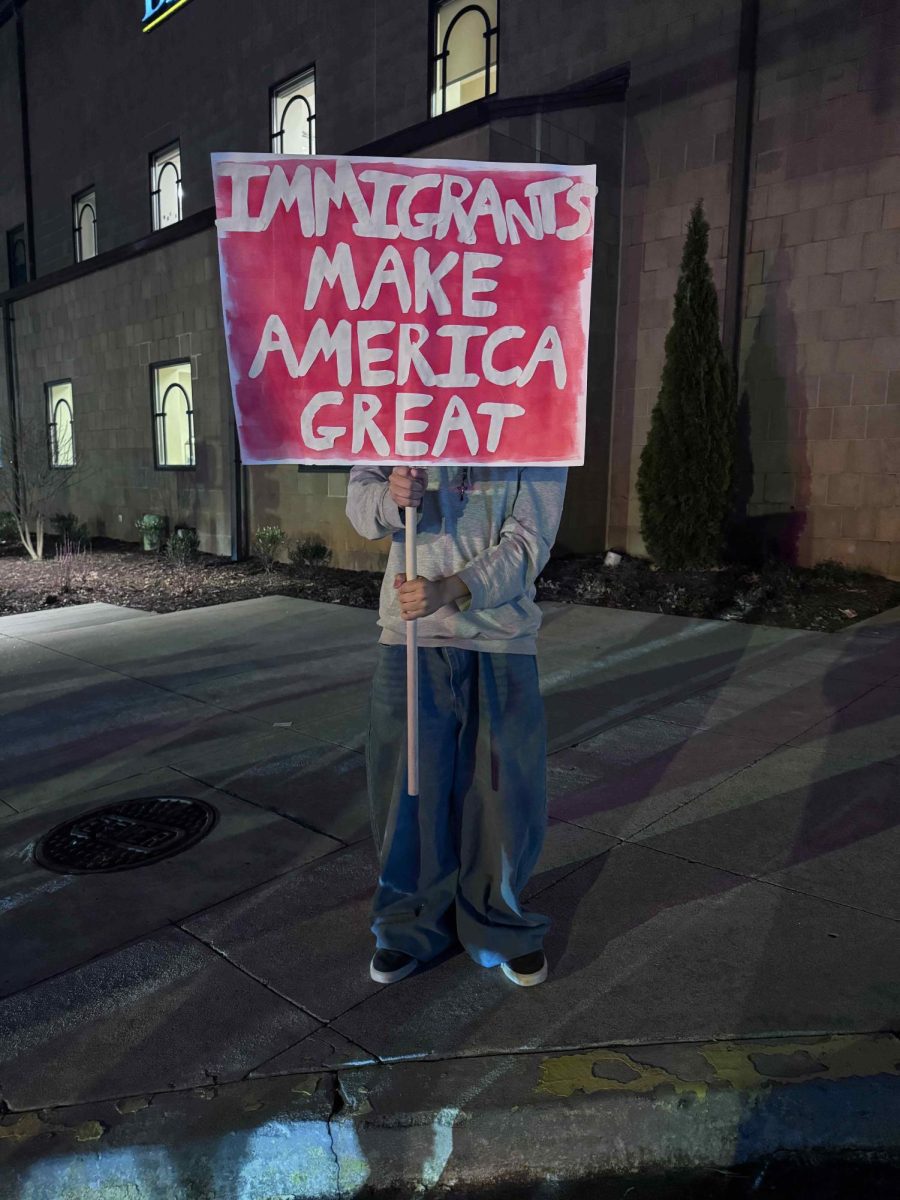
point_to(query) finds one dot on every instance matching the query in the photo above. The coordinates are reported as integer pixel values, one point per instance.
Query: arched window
(294, 115)
(85, 226)
(464, 62)
(173, 415)
(165, 185)
(61, 417)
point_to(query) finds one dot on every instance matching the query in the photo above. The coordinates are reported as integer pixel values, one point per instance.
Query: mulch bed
(118, 573)
(826, 598)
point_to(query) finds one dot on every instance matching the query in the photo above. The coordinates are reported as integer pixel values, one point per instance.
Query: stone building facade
(782, 115)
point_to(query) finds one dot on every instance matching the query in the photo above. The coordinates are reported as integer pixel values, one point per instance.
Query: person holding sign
(434, 314)
(455, 858)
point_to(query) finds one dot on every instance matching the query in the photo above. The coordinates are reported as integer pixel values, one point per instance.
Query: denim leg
(419, 867)
(500, 803)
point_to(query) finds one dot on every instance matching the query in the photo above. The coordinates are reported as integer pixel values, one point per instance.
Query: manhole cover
(133, 833)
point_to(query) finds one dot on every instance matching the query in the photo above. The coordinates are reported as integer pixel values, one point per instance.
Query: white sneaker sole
(392, 976)
(525, 980)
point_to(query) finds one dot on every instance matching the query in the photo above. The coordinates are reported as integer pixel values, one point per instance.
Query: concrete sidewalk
(720, 869)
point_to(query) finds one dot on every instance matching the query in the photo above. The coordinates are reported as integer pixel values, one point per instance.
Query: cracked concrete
(720, 871)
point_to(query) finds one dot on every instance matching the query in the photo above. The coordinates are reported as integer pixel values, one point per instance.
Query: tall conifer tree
(685, 478)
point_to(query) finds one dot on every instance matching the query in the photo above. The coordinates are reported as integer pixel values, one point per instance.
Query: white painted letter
(327, 436)
(323, 269)
(428, 282)
(406, 401)
(239, 219)
(281, 193)
(548, 349)
(456, 416)
(472, 263)
(425, 222)
(410, 339)
(274, 337)
(545, 190)
(365, 409)
(389, 269)
(579, 197)
(505, 334)
(531, 226)
(487, 203)
(335, 191)
(457, 376)
(324, 343)
(378, 224)
(366, 330)
(452, 207)
(498, 414)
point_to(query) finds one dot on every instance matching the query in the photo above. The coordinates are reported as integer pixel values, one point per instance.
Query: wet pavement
(720, 872)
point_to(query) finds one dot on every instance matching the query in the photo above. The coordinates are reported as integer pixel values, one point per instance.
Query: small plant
(309, 552)
(31, 487)
(183, 546)
(152, 528)
(266, 543)
(72, 559)
(68, 528)
(8, 529)
(829, 571)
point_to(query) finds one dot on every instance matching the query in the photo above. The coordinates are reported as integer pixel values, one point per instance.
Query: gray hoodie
(494, 527)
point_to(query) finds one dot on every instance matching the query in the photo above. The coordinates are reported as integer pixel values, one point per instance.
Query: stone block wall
(202, 76)
(821, 332)
(820, 355)
(102, 332)
(820, 352)
(12, 188)
(678, 142)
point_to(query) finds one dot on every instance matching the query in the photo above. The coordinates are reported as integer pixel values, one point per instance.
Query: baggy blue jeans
(461, 851)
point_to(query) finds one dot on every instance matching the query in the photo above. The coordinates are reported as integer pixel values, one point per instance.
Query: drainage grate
(133, 833)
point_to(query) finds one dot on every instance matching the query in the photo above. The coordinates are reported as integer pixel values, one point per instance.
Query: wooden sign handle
(412, 665)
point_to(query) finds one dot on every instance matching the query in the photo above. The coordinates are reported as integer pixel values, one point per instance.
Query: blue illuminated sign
(157, 10)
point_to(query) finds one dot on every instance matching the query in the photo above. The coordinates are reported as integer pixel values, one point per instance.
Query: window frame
(296, 78)
(155, 189)
(155, 416)
(78, 197)
(434, 55)
(52, 442)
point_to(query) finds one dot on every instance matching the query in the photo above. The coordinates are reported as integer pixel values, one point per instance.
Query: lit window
(294, 115)
(16, 256)
(62, 424)
(465, 53)
(165, 186)
(173, 415)
(85, 225)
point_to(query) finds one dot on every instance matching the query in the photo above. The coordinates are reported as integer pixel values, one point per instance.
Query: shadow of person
(772, 481)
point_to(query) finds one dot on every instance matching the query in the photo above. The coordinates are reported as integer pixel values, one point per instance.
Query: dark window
(16, 256)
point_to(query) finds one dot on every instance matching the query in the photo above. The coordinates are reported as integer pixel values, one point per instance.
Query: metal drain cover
(133, 833)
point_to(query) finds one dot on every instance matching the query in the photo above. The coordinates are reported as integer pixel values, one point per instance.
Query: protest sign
(405, 310)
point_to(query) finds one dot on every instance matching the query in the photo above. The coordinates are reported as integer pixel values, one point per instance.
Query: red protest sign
(391, 310)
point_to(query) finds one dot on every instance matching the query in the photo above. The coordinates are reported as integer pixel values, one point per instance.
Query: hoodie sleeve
(504, 572)
(370, 509)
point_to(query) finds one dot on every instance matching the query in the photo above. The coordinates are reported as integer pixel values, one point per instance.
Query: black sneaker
(390, 965)
(526, 970)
